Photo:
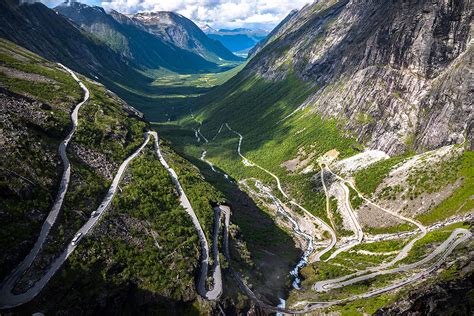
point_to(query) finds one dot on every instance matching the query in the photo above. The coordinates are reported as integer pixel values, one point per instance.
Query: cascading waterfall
(296, 228)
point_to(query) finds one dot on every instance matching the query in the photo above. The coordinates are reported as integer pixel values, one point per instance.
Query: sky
(254, 14)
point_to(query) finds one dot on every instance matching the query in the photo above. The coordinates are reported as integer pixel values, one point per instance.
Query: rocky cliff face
(393, 73)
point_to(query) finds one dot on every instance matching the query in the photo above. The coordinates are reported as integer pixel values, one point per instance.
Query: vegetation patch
(381, 246)
(390, 229)
(145, 243)
(462, 199)
(323, 271)
(368, 179)
(355, 199)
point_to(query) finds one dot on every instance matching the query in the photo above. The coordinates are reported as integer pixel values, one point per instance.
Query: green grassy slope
(36, 99)
(257, 109)
(130, 75)
(146, 246)
(263, 111)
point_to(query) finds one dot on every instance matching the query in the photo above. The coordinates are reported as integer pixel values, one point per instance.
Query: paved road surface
(406, 249)
(445, 249)
(457, 237)
(9, 300)
(355, 223)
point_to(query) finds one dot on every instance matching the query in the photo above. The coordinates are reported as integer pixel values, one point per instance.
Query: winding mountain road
(217, 275)
(406, 249)
(353, 218)
(446, 247)
(442, 251)
(8, 284)
(356, 276)
(9, 300)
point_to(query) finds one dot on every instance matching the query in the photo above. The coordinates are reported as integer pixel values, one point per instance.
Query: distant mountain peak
(167, 30)
(206, 28)
(81, 6)
(72, 2)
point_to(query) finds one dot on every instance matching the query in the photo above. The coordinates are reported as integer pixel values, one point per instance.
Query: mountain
(182, 32)
(132, 41)
(37, 102)
(45, 32)
(331, 174)
(206, 28)
(237, 40)
(41, 30)
(392, 84)
(66, 141)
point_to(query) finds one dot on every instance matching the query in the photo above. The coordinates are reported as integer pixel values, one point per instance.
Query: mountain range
(183, 33)
(106, 39)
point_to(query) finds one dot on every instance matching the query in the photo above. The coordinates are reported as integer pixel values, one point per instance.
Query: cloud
(53, 3)
(217, 13)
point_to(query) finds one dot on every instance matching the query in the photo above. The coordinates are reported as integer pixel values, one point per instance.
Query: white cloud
(217, 13)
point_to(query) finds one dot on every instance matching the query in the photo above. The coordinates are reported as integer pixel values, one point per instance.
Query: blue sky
(264, 14)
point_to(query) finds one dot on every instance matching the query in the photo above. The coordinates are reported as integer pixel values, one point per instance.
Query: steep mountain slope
(294, 143)
(43, 31)
(397, 84)
(38, 97)
(182, 32)
(143, 251)
(237, 40)
(339, 76)
(128, 255)
(125, 70)
(131, 41)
